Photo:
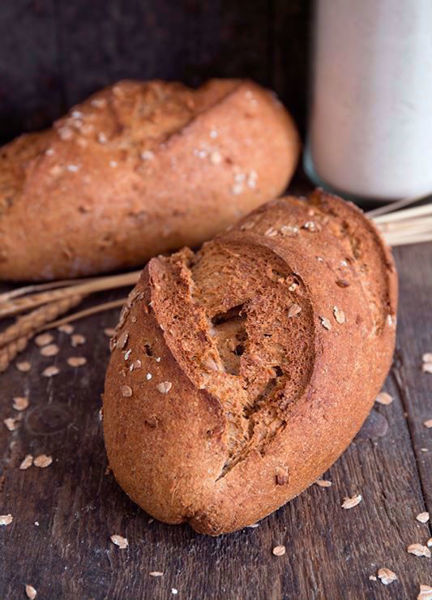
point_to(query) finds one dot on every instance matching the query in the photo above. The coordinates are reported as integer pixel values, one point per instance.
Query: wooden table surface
(64, 515)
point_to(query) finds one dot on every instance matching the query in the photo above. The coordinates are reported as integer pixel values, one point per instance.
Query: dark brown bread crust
(139, 169)
(271, 343)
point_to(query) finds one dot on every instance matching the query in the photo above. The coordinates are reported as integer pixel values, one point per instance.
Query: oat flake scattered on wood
(42, 461)
(386, 576)
(351, 502)
(76, 361)
(164, 387)
(119, 541)
(428, 423)
(6, 519)
(20, 403)
(30, 591)
(279, 550)
(425, 592)
(50, 371)
(27, 462)
(50, 350)
(156, 573)
(419, 550)
(427, 367)
(11, 423)
(66, 328)
(77, 340)
(384, 398)
(423, 517)
(427, 357)
(43, 339)
(23, 366)
(324, 483)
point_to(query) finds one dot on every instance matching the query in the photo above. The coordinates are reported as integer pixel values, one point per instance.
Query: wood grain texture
(330, 552)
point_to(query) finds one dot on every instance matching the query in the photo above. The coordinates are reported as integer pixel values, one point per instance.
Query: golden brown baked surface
(139, 169)
(241, 372)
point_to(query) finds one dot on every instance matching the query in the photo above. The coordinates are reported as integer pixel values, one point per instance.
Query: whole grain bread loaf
(139, 169)
(241, 372)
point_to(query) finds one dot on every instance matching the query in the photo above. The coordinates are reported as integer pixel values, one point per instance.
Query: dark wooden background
(53, 53)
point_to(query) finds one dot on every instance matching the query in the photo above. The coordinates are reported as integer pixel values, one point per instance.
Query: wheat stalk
(85, 313)
(9, 352)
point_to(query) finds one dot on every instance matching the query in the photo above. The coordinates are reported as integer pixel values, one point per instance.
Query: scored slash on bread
(138, 169)
(262, 398)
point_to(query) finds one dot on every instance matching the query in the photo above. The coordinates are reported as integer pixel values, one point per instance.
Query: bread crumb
(372, 577)
(20, 403)
(164, 387)
(351, 502)
(76, 361)
(279, 550)
(42, 461)
(30, 591)
(27, 462)
(423, 517)
(6, 519)
(50, 371)
(384, 398)
(50, 350)
(43, 339)
(419, 550)
(119, 541)
(23, 366)
(386, 576)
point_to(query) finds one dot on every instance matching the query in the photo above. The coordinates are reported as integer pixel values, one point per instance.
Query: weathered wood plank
(330, 552)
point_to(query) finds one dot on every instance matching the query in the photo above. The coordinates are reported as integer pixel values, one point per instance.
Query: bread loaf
(139, 169)
(241, 372)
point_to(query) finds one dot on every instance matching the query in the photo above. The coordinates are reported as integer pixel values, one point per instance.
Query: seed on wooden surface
(6, 519)
(425, 592)
(419, 550)
(11, 423)
(24, 366)
(156, 573)
(76, 361)
(351, 502)
(386, 576)
(109, 331)
(174, 591)
(27, 462)
(126, 391)
(66, 328)
(427, 367)
(42, 461)
(294, 310)
(20, 403)
(164, 387)
(119, 541)
(423, 517)
(30, 591)
(279, 550)
(384, 398)
(77, 339)
(339, 315)
(43, 339)
(50, 371)
(325, 323)
(427, 357)
(428, 423)
(372, 577)
(324, 483)
(50, 350)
